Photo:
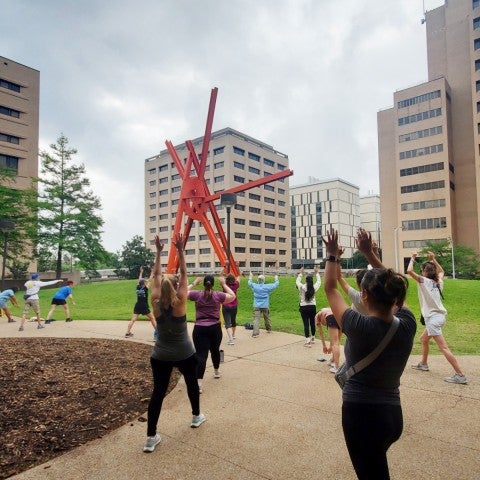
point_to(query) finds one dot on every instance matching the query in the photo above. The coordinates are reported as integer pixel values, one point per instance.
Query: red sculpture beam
(195, 198)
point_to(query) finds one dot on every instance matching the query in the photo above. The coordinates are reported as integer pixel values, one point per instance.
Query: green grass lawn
(114, 300)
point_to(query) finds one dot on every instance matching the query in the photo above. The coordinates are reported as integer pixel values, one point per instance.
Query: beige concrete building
(429, 142)
(315, 208)
(370, 216)
(19, 112)
(260, 221)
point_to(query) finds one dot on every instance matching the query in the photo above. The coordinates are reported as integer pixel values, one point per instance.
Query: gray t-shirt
(173, 343)
(379, 381)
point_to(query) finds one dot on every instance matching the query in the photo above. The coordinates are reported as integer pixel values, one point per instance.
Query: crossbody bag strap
(366, 361)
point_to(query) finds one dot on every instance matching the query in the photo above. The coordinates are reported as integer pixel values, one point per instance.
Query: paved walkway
(274, 414)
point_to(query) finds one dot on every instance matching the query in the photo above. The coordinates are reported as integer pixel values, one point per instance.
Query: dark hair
(230, 279)
(385, 288)
(310, 291)
(359, 276)
(430, 271)
(208, 282)
(15, 288)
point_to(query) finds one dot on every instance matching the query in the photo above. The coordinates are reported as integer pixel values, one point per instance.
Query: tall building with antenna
(429, 142)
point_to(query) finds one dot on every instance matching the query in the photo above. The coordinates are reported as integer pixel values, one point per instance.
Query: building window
(269, 200)
(428, 132)
(162, 168)
(153, 194)
(254, 223)
(270, 188)
(151, 183)
(475, 3)
(425, 223)
(4, 137)
(420, 187)
(280, 166)
(281, 215)
(239, 207)
(239, 221)
(240, 235)
(478, 107)
(269, 238)
(282, 228)
(254, 157)
(271, 226)
(281, 203)
(423, 205)
(14, 87)
(268, 162)
(175, 202)
(237, 178)
(163, 216)
(163, 204)
(239, 165)
(418, 152)
(254, 196)
(254, 236)
(151, 171)
(152, 206)
(269, 213)
(204, 251)
(255, 264)
(11, 112)
(218, 164)
(176, 189)
(8, 161)
(205, 264)
(239, 151)
(163, 180)
(476, 24)
(254, 210)
(433, 167)
(218, 151)
(163, 229)
(255, 250)
(239, 249)
(254, 170)
(281, 191)
(152, 219)
(282, 240)
(152, 230)
(218, 179)
(436, 112)
(419, 99)
(476, 44)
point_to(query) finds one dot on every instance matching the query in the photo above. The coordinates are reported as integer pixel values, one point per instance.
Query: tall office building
(19, 109)
(429, 142)
(370, 216)
(260, 233)
(315, 208)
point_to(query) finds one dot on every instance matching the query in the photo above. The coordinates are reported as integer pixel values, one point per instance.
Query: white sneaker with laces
(457, 378)
(197, 420)
(333, 368)
(151, 443)
(307, 343)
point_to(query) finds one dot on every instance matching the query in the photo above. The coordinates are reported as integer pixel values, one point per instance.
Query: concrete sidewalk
(274, 414)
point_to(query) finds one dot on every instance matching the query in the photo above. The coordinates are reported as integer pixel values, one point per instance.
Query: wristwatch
(331, 258)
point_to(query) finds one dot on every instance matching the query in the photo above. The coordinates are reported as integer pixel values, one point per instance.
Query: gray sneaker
(421, 366)
(40, 326)
(197, 420)
(151, 443)
(456, 378)
(20, 328)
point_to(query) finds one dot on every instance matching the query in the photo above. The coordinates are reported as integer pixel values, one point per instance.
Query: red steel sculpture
(196, 200)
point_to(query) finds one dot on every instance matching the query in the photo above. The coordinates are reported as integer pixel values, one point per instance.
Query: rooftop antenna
(423, 19)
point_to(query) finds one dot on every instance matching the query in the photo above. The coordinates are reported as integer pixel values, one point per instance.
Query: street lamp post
(5, 227)
(395, 242)
(453, 258)
(228, 200)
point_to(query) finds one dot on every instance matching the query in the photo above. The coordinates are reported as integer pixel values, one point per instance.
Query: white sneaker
(307, 343)
(333, 368)
(312, 340)
(217, 374)
(151, 443)
(231, 341)
(197, 420)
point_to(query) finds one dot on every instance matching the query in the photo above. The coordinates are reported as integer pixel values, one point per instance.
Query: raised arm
(182, 290)
(335, 298)
(411, 271)
(440, 271)
(230, 295)
(366, 246)
(157, 267)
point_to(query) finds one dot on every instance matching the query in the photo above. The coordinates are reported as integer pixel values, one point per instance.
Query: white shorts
(434, 324)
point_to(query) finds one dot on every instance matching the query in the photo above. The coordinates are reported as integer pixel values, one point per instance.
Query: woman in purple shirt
(229, 310)
(207, 332)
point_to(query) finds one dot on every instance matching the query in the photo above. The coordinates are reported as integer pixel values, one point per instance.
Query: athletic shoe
(151, 443)
(255, 335)
(456, 378)
(128, 334)
(231, 341)
(197, 420)
(11, 320)
(40, 326)
(234, 337)
(217, 374)
(421, 366)
(47, 322)
(330, 363)
(333, 368)
(269, 331)
(20, 328)
(68, 320)
(312, 340)
(307, 343)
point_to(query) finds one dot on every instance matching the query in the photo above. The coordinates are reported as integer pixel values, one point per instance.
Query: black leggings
(369, 430)
(162, 371)
(207, 339)
(308, 313)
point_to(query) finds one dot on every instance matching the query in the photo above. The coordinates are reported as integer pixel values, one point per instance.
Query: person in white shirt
(32, 288)
(308, 304)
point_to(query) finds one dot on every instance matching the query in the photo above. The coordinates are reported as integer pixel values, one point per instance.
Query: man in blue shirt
(5, 296)
(261, 302)
(60, 298)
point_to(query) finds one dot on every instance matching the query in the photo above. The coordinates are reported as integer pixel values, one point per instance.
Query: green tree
(18, 206)
(135, 254)
(466, 259)
(69, 218)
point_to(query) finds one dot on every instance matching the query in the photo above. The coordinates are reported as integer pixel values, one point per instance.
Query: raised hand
(158, 245)
(178, 242)
(364, 241)
(431, 256)
(331, 242)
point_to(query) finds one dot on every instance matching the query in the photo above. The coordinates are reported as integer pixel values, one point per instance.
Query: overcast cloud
(119, 77)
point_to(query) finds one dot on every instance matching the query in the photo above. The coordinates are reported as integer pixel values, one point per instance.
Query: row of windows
(420, 187)
(476, 23)
(440, 202)
(436, 112)
(421, 151)
(428, 132)
(432, 167)
(9, 111)
(419, 99)
(241, 264)
(268, 251)
(418, 244)
(425, 223)
(10, 85)
(4, 137)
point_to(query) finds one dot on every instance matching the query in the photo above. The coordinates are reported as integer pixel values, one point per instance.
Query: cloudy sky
(119, 77)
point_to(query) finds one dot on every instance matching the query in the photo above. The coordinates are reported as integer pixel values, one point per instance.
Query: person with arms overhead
(261, 302)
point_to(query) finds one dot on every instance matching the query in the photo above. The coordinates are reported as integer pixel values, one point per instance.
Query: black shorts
(58, 301)
(331, 322)
(141, 309)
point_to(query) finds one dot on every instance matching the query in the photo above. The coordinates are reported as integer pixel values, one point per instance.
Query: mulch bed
(57, 394)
